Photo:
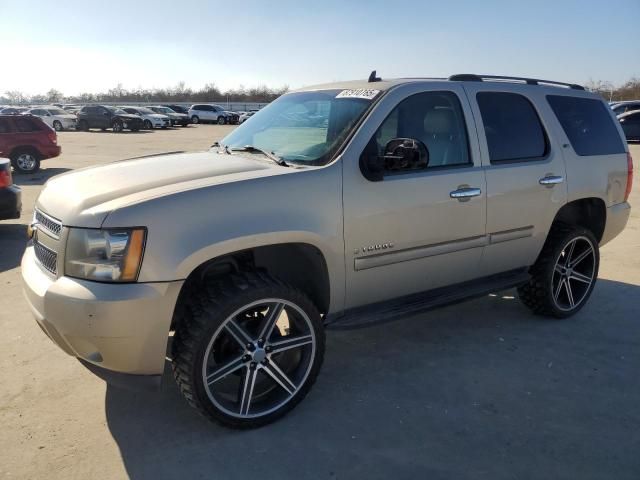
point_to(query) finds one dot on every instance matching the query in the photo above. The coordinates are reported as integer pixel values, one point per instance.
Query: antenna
(373, 78)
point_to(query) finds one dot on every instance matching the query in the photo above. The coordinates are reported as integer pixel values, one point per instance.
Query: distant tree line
(179, 93)
(630, 90)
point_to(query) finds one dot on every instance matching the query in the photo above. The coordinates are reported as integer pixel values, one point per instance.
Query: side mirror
(402, 154)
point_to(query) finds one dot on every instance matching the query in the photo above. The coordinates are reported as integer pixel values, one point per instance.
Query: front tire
(57, 126)
(222, 120)
(195, 119)
(148, 125)
(247, 350)
(117, 126)
(565, 273)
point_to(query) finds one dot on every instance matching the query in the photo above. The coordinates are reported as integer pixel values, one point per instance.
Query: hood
(161, 116)
(177, 115)
(83, 198)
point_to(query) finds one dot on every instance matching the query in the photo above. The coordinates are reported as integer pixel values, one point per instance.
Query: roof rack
(471, 77)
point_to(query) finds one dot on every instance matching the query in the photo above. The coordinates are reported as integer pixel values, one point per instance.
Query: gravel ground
(480, 390)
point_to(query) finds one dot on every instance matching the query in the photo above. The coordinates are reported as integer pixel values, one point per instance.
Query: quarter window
(512, 127)
(26, 125)
(588, 124)
(433, 118)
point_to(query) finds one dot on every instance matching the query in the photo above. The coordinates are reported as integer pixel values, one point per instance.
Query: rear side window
(588, 124)
(512, 127)
(4, 125)
(26, 125)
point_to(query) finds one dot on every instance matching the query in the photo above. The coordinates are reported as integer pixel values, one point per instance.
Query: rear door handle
(465, 193)
(551, 180)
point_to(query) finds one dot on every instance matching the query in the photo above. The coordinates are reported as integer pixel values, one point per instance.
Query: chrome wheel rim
(57, 126)
(26, 161)
(221, 121)
(259, 358)
(117, 127)
(573, 273)
(195, 119)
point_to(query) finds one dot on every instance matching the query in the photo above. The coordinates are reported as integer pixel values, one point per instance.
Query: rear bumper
(50, 151)
(617, 217)
(10, 202)
(121, 328)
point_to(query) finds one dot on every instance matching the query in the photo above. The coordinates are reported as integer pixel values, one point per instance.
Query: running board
(397, 308)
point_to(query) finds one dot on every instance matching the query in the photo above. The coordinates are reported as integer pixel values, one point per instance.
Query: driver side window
(433, 118)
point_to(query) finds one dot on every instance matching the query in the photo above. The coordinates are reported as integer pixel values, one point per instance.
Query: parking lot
(477, 390)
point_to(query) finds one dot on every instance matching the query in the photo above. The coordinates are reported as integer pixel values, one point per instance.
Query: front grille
(47, 258)
(50, 224)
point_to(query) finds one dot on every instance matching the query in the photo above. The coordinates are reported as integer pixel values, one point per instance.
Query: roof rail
(470, 77)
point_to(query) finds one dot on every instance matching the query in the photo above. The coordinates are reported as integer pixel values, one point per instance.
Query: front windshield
(57, 111)
(305, 127)
(163, 110)
(145, 110)
(118, 111)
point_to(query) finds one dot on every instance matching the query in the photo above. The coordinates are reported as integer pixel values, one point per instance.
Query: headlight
(111, 255)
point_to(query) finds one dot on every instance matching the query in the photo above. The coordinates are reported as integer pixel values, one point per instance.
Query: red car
(27, 140)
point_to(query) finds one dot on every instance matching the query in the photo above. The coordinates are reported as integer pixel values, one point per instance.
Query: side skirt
(396, 308)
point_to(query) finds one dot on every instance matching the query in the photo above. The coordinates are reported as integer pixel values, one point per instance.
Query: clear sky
(90, 46)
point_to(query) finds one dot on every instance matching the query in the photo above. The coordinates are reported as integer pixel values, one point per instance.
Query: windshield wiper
(270, 155)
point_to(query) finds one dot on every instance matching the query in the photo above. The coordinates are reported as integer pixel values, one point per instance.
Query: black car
(10, 194)
(175, 117)
(104, 116)
(630, 122)
(178, 108)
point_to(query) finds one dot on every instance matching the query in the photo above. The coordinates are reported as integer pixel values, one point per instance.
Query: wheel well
(24, 149)
(590, 213)
(298, 264)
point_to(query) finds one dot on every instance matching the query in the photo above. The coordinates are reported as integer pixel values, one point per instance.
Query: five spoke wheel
(574, 272)
(259, 358)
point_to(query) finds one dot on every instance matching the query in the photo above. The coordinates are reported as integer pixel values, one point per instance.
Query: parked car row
(82, 117)
(628, 114)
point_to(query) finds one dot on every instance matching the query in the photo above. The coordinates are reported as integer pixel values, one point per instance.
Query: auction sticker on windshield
(365, 93)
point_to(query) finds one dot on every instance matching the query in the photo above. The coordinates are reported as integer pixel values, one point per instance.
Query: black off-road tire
(537, 295)
(202, 314)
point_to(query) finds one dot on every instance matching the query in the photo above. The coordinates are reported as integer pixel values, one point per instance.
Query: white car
(246, 116)
(150, 118)
(55, 117)
(203, 113)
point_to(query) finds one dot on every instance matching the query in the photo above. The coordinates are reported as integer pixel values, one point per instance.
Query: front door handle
(465, 193)
(551, 180)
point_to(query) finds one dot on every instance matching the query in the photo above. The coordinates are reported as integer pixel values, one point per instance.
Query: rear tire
(262, 341)
(25, 161)
(565, 273)
(83, 126)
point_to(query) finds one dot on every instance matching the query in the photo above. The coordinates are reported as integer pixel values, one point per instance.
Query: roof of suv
(385, 84)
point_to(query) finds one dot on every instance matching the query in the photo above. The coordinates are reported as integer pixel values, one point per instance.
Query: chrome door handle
(465, 193)
(551, 180)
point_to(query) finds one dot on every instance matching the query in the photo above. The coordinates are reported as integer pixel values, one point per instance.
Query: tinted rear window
(25, 125)
(588, 124)
(512, 127)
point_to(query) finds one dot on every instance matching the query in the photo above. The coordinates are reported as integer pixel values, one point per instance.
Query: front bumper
(121, 328)
(617, 217)
(10, 202)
